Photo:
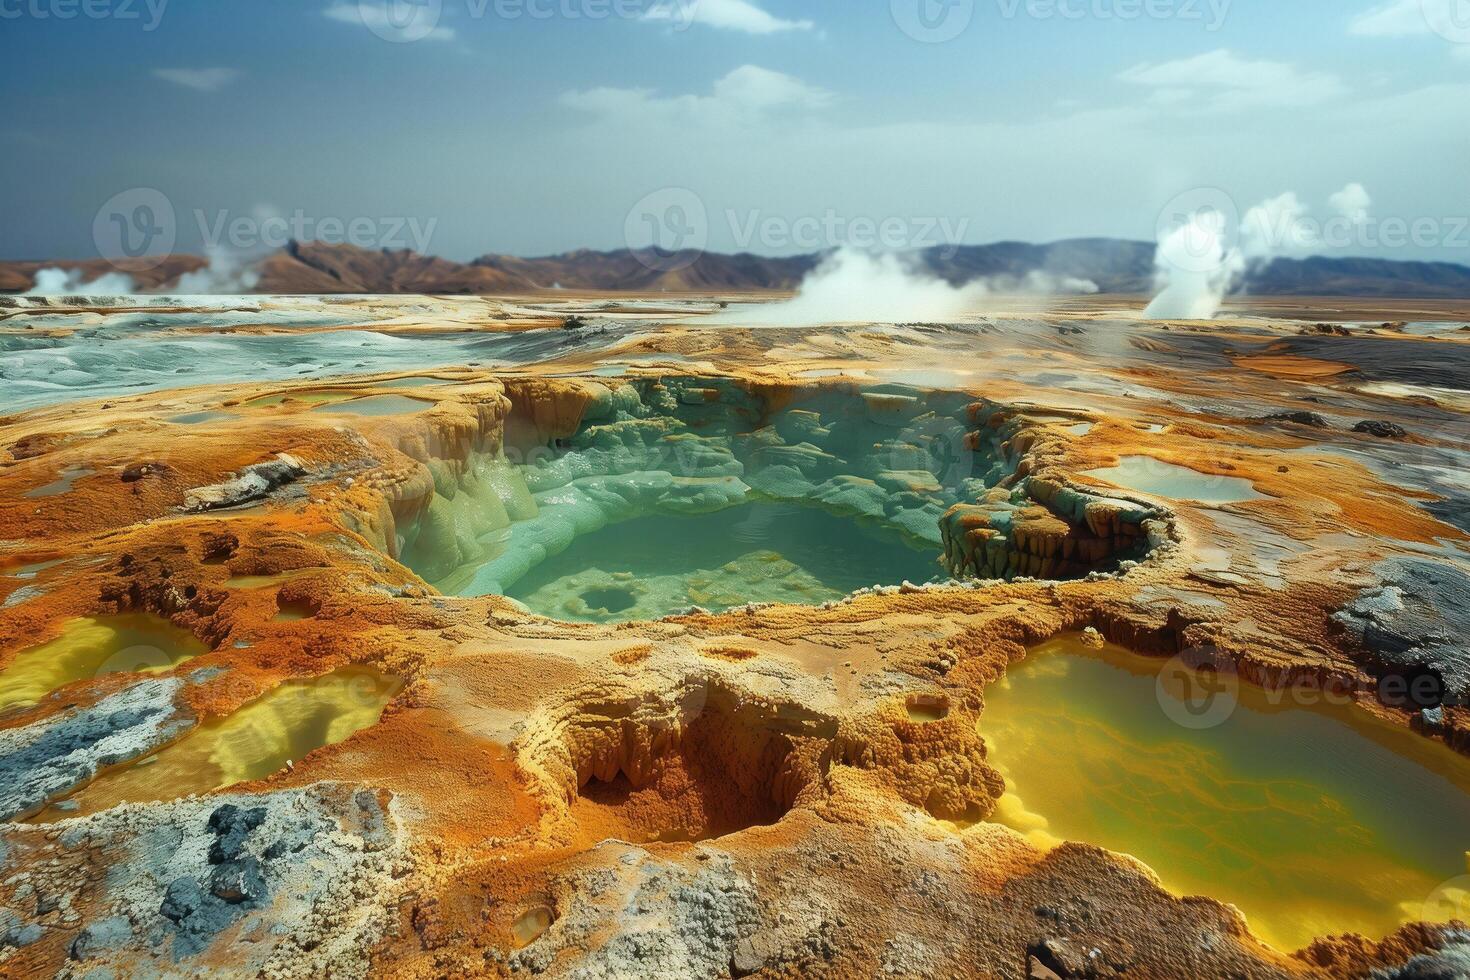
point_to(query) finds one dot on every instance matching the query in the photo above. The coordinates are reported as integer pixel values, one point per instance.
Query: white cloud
(1172, 96)
(743, 96)
(374, 17)
(1398, 18)
(198, 79)
(1352, 202)
(729, 15)
(1416, 18)
(1224, 82)
(1278, 224)
(756, 87)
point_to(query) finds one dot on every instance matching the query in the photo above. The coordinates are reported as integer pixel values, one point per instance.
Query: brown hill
(312, 267)
(653, 270)
(1115, 266)
(16, 277)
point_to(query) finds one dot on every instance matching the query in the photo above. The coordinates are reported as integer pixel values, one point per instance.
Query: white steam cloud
(229, 272)
(853, 286)
(1352, 203)
(1195, 270)
(68, 282)
(1196, 267)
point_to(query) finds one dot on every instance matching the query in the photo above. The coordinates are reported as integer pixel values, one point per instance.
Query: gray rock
(254, 483)
(1450, 963)
(702, 914)
(48, 759)
(15, 933)
(101, 936)
(1417, 616)
(231, 826)
(182, 899)
(238, 881)
(23, 594)
(746, 959)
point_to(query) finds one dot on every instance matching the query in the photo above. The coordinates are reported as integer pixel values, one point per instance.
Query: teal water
(1154, 476)
(651, 566)
(379, 405)
(197, 418)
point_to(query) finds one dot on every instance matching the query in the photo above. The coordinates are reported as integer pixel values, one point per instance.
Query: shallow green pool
(759, 552)
(1154, 476)
(88, 647)
(1311, 821)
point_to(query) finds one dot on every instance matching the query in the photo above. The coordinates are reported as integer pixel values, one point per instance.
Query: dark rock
(1058, 957)
(1383, 430)
(1300, 418)
(134, 472)
(231, 826)
(230, 820)
(371, 825)
(100, 936)
(1036, 970)
(238, 881)
(227, 846)
(182, 899)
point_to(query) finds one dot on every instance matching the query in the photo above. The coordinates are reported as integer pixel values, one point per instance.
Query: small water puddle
(199, 418)
(61, 484)
(529, 925)
(416, 381)
(282, 725)
(923, 709)
(89, 647)
(380, 405)
(318, 397)
(1154, 476)
(1312, 821)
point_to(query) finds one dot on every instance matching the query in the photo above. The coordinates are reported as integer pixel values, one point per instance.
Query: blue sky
(783, 123)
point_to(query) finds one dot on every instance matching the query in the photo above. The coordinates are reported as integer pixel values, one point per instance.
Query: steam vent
(588, 638)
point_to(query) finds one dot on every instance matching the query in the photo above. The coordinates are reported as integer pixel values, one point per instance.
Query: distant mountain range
(1114, 265)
